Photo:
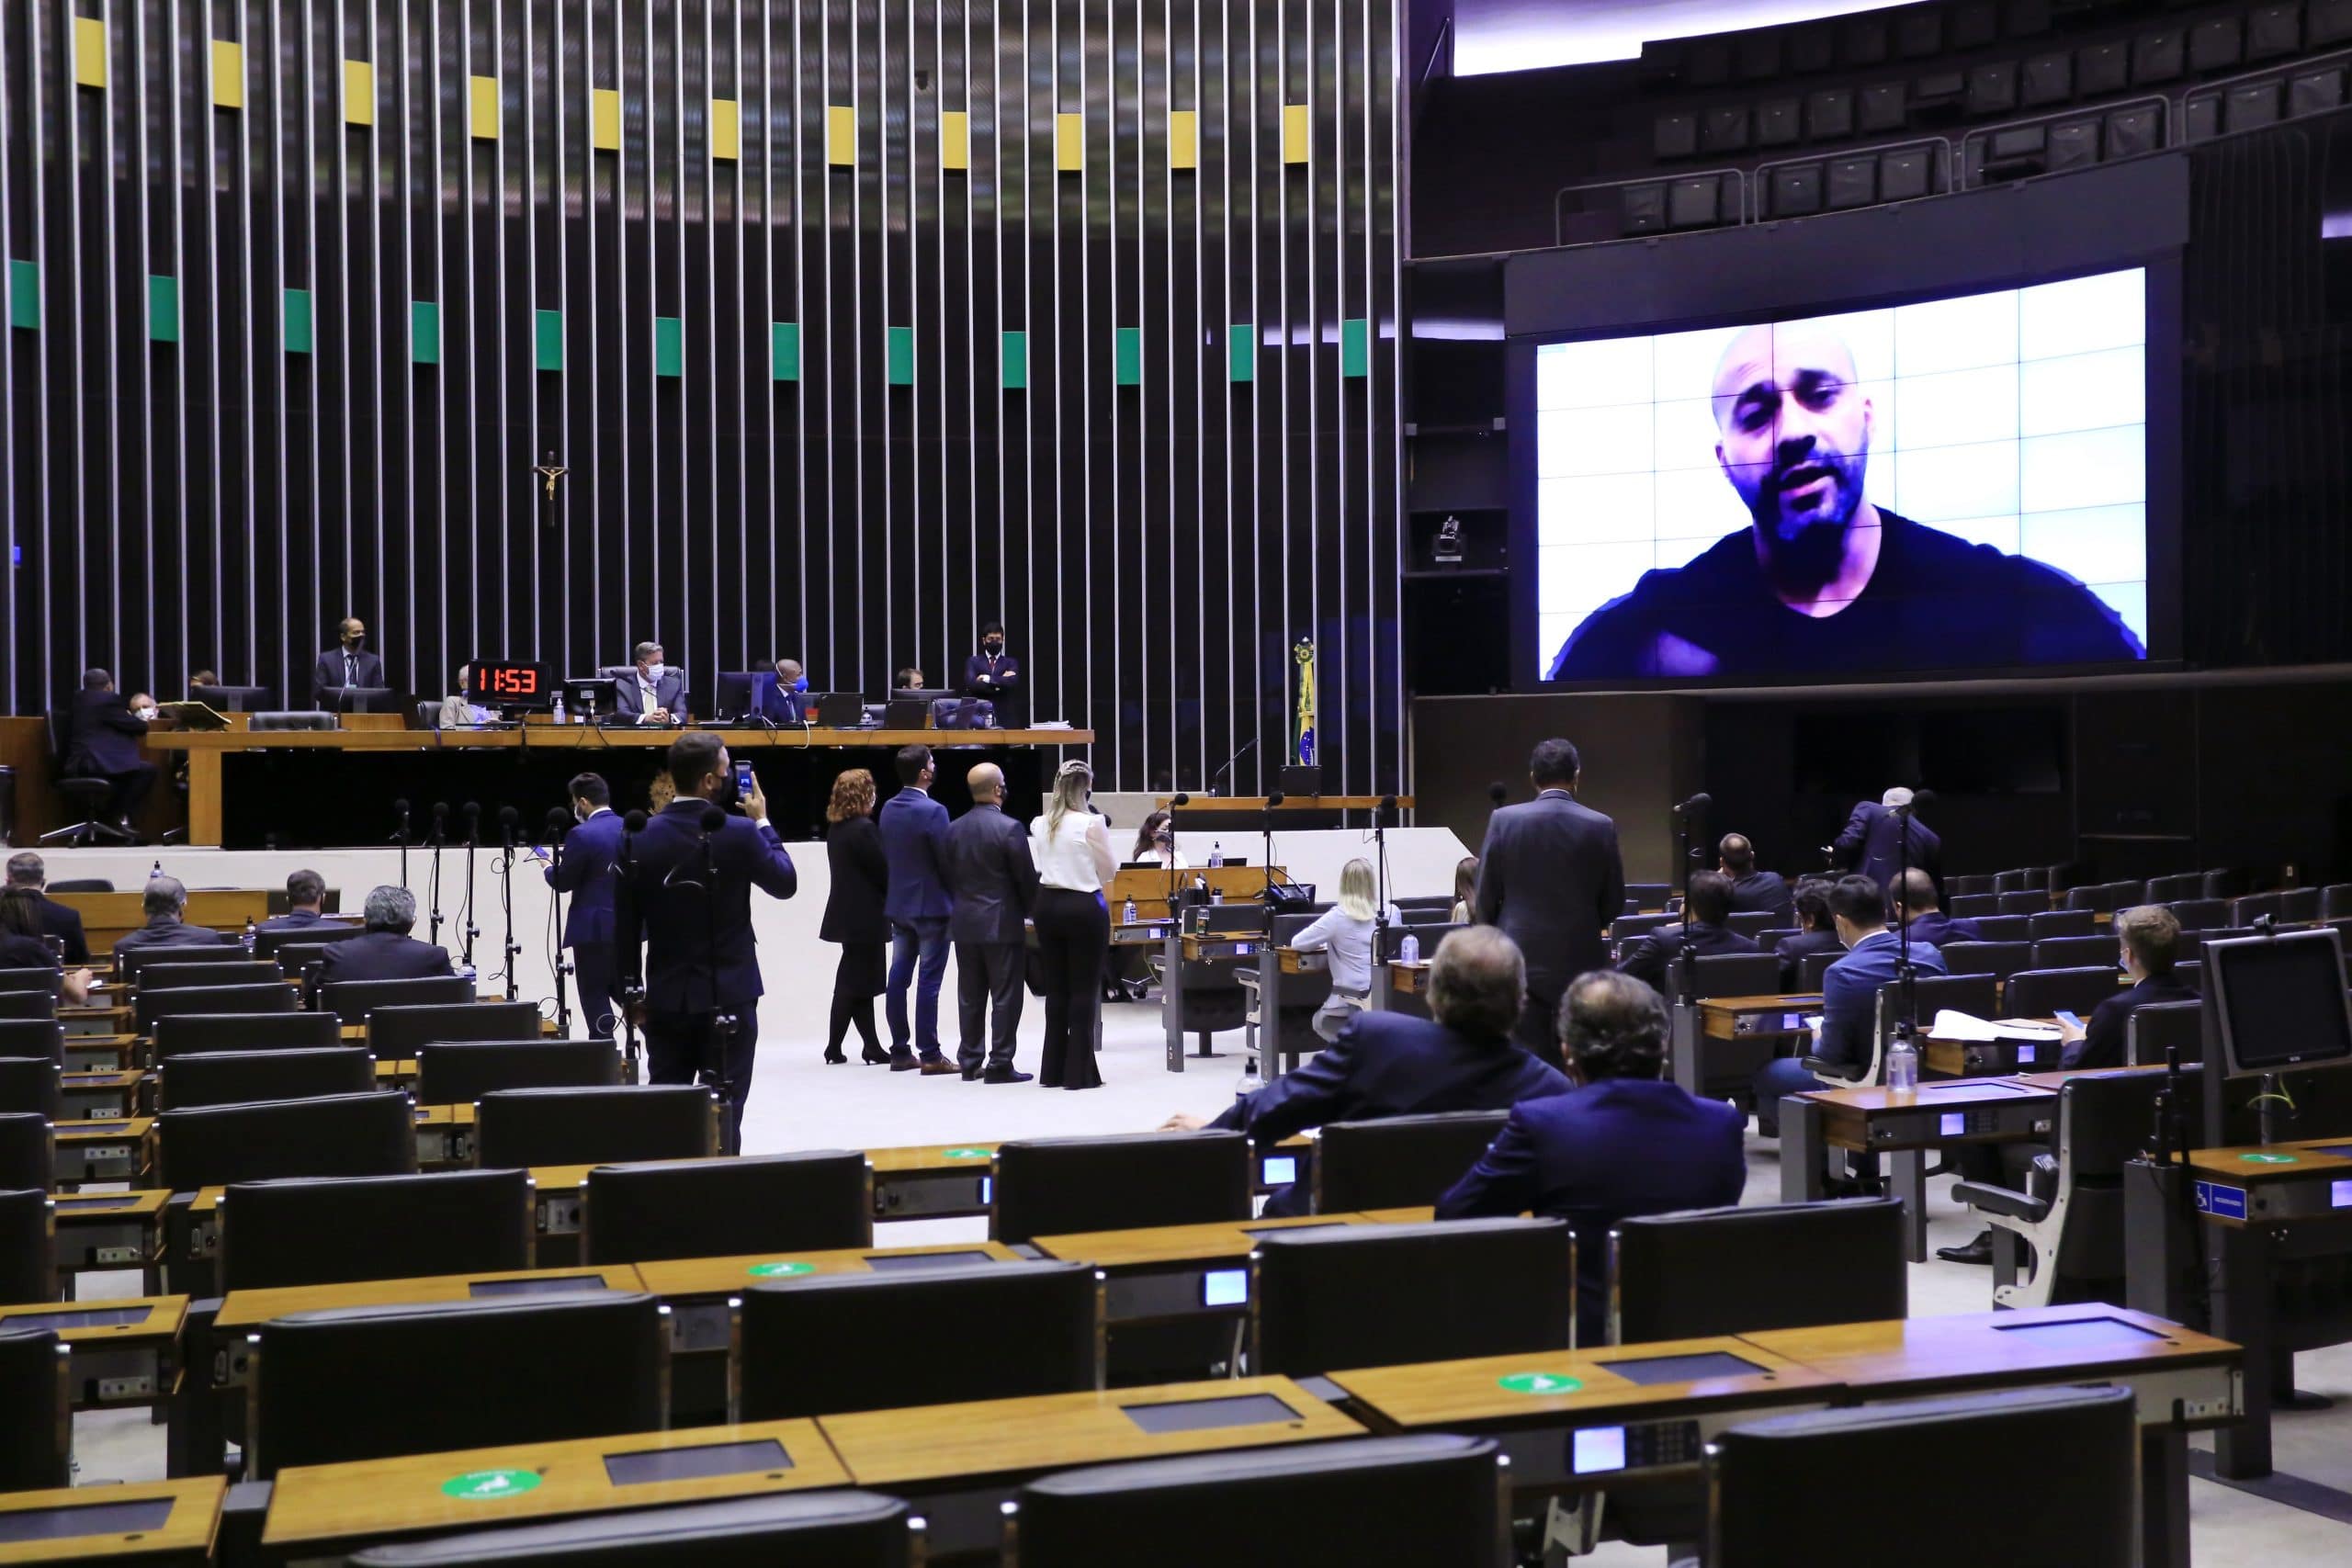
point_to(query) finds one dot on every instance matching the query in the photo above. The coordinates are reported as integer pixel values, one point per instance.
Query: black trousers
(679, 1048)
(1073, 934)
(131, 791)
(1538, 1029)
(988, 990)
(597, 969)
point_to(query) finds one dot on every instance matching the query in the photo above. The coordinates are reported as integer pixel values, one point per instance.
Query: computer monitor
(587, 694)
(2277, 1002)
(737, 695)
(369, 699)
(838, 710)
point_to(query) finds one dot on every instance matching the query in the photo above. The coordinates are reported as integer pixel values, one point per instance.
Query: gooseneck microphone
(1696, 803)
(1498, 792)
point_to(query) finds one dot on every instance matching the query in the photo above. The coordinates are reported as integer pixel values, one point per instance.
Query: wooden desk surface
(188, 1529)
(975, 1154)
(243, 1309)
(127, 1078)
(113, 1129)
(1445, 1393)
(97, 1208)
(1735, 1007)
(1412, 978)
(160, 1318)
(584, 736)
(1176, 1243)
(370, 1499)
(680, 1276)
(1054, 1432)
(1419, 1216)
(1949, 1093)
(1916, 1354)
(2053, 1082)
(2250, 1163)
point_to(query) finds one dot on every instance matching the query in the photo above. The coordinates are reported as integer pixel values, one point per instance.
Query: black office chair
(27, 1246)
(819, 1200)
(2336, 901)
(332, 1230)
(1727, 975)
(1214, 1000)
(2168, 889)
(2062, 923)
(1649, 895)
(36, 1410)
(345, 1135)
(2040, 993)
(1976, 995)
(273, 944)
(1401, 1161)
(33, 1004)
(1750, 924)
(292, 719)
(149, 1007)
(1434, 1502)
(828, 1343)
(398, 1032)
(237, 1077)
(43, 980)
(1442, 902)
(227, 972)
(1744, 1270)
(28, 1152)
(2244, 911)
(2102, 897)
(2155, 1029)
(130, 967)
(82, 884)
(1067, 1186)
(2029, 902)
(461, 1072)
(1980, 884)
(352, 1000)
(1968, 906)
(34, 1084)
(1480, 1288)
(372, 1383)
(1291, 1034)
(1811, 966)
(1628, 928)
(2082, 1513)
(595, 1126)
(1999, 959)
(2005, 928)
(85, 797)
(43, 1037)
(197, 1034)
(806, 1529)
(2074, 952)
(2299, 905)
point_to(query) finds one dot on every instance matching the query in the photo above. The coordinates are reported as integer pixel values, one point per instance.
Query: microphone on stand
(1696, 803)
(508, 819)
(1498, 792)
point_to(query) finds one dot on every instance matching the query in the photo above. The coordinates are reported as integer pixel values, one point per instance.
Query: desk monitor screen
(91, 1317)
(2279, 1001)
(64, 1203)
(885, 1263)
(2079, 1333)
(694, 1465)
(1279, 1169)
(1225, 1288)
(1594, 1450)
(838, 710)
(87, 1519)
(564, 1285)
(1650, 1370)
(2339, 1194)
(1207, 1414)
(1292, 1230)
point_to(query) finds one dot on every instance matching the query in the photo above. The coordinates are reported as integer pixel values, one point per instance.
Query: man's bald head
(1793, 432)
(987, 782)
(1772, 353)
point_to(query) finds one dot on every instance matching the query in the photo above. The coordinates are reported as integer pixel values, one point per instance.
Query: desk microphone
(1696, 803)
(1179, 799)
(634, 822)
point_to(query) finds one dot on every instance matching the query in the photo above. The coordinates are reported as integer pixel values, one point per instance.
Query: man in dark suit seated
(1819, 933)
(689, 901)
(993, 880)
(1626, 1142)
(652, 692)
(1752, 891)
(781, 701)
(102, 736)
(1709, 901)
(1461, 1057)
(586, 870)
(914, 843)
(1848, 996)
(63, 922)
(995, 676)
(1917, 905)
(306, 896)
(166, 901)
(386, 952)
(1550, 876)
(1872, 842)
(348, 663)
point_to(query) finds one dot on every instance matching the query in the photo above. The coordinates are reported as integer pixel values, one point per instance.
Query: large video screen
(1958, 483)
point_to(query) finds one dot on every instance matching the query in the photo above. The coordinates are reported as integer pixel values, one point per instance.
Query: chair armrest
(1837, 1072)
(2002, 1200)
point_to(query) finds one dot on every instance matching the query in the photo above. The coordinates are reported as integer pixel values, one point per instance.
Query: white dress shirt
(1349, 941)
(1077, 858)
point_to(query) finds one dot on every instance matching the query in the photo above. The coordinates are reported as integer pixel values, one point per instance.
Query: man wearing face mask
(102, 736)
(591, 852)
(995, 675)
(652, 692)
(348, 663)
(1823, 577)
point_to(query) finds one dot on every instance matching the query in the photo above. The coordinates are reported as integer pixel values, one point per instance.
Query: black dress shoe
(875, 1056)
(1004, 1075)
(834, 1058)
(1977, 1251)
(971, 1075)
(903, 1064)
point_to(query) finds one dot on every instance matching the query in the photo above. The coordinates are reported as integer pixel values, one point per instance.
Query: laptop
(907, 714)
(837, 710)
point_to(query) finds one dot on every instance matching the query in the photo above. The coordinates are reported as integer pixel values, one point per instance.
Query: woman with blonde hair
(1465, 891)
(1073, 849)
(1346, 930)
(853, 916)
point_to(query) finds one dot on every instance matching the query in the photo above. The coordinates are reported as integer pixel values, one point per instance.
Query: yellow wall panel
(604, 119)
(955, 140)
(1296, 133)
(726, 129)
(89, 53)
(1184, 139)
(228, 74)
(840, 134)
(485, 99)
(359, 92)
(1069, 141)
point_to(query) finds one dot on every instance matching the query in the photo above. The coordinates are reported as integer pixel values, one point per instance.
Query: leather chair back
(1750, 924)
(2062, 923)
(34, 1084)
(830, 1342)
(352, 1000)
(150, 1007)
(1477, 1288)
(2154, 1029)
(808, 1530)
(235, 1077)
(13, 980)
(459, 1072)
(1122, 1181)
(330, 1231)
(374, 1383)
(2254, 906)
(1744, 1270)
(27, 1246)
(197, 1033)
(28, 1152)
(2005, 928)
(2336, 901)
(1811, 966)
(1981, 884)
(1399, 1162)
(227, 972)
(273, 944)
(132, 966)
(343, 1135)
(2027, 902)
(1999, 959)
(817, 1201)
(1387, 942)
(2170, 889)
(34, 1005)
(1977, 995)
(1968, 906)
(2039, 993)
(1649, 895)
(398, 1031)
(33, 1037)
(1728, 975)
(2299, 904)
(2074, 952)
(526, 1127)
(36, 1410)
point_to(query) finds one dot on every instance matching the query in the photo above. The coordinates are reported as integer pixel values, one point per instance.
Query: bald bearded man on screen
(1823, 579)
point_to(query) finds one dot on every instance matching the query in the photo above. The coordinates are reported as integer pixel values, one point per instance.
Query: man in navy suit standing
(1550, 876)
(1871, 843)
(993, 880)
(586, 870)
(1626, 1142)
(914, 843)
(994, 675)
(689, 901)
(652, 692)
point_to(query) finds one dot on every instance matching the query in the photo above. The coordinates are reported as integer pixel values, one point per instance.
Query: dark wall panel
(488, 288)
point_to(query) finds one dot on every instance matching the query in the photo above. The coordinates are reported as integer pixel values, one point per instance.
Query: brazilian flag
(1302, 723)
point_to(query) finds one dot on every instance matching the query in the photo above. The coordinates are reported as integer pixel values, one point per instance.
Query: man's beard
(1810, 546)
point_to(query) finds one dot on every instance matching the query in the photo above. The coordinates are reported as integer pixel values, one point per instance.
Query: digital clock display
(504, 684)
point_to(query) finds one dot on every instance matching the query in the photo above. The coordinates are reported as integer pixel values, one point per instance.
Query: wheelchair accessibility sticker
(2222, 1203)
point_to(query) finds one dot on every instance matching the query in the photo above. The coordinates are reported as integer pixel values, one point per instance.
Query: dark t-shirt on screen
(1933, 601)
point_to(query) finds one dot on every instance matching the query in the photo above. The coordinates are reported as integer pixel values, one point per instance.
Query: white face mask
(149, 714)
(653, 672)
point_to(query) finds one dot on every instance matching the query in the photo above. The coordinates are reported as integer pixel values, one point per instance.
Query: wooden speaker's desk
(324, 1511)
(1250, 814)
(125, 1351)
(1720, 1043)
(1938, 1115)
(960, 1463)
(101, 1151)
(1167, 1273)
(146, 1524)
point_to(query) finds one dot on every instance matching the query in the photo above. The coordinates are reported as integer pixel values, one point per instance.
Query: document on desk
(1952, 1024)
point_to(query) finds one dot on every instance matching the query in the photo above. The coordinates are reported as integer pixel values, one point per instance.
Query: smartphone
(745, 783)
(2068, 1019)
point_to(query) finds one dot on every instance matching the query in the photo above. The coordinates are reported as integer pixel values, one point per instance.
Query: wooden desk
(151, 1524)
(85, 1022)
(125, 1349)
(248, 1309)
(1176, 1271)
(101, 1230)
(1401, 986)
(961, 1463)
(1946, 1114)
(696, 1289)
(934, 1181)
(102, 1151)
(445, 1133)
(107, 915)
(1148, 888)
(327, 1509)
(103, 1053)
(205, 750)
(101, 1096)
(1717, 1047)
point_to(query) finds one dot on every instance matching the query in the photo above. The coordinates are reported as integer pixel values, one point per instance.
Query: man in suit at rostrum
(1551, 877)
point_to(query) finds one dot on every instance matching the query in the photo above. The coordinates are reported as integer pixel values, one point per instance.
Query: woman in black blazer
(853, 916)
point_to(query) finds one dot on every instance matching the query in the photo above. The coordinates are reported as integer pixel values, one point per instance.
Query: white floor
(798, 1103)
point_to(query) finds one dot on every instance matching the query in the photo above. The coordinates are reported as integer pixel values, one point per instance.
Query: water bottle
(1217, 855)
(1409, 949)
(249, 934)
(1902, 1068)
(559, 707)
(1127, 913)
(1251, 1082)
(1217, 894)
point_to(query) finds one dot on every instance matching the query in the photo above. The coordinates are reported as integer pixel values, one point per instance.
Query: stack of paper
(1953, 1024)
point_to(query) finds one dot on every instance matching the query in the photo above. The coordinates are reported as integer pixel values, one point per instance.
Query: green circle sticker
(969, 1154)
(2267, 1159)
(1538, 1382)
(779, 1270)
(487, 1485)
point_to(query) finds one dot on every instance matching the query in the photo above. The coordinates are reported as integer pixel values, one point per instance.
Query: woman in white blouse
(1153, 839)
(1073, 849)
(1346, 929)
